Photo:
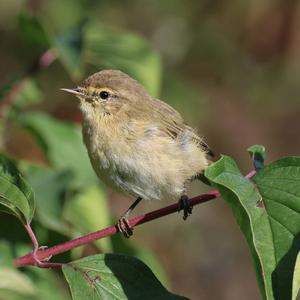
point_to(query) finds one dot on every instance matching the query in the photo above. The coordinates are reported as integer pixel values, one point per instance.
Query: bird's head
(108, 92)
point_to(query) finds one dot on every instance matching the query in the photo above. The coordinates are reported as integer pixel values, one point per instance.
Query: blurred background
(232, 68)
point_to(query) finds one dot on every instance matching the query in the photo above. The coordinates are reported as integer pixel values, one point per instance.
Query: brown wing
(172, 124)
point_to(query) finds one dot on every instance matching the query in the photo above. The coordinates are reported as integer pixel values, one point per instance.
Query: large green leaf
(279, 185)
(112, 276)
(105, 48)
(63, 145)
(16, 195)
(87, 212)
(268, 214)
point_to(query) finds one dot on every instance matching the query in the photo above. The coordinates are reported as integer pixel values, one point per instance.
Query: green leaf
(268, 214)
(113, 276)
(258, 155)
(16, 195)
(105, 48)
(63, 146)
(89, 212)
(278, 183)
(33, 32)
(50, 187)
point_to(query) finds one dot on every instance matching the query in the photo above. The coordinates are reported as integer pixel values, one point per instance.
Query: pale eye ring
(104, 95)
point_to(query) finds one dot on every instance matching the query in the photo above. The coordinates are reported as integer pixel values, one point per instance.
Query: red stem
(32, 236)
(43, 254)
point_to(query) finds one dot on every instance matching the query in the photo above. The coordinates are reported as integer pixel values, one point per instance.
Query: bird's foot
(185, 205)
(124, 226)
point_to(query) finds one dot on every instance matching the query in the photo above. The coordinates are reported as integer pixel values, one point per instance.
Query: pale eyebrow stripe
(92, 90)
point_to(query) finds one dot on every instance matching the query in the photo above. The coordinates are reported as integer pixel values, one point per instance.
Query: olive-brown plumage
(136, 143)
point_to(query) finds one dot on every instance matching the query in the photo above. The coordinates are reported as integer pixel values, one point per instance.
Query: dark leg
(123, 224)
(184, 203)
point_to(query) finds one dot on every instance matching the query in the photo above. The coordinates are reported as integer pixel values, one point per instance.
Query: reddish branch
(43, 254)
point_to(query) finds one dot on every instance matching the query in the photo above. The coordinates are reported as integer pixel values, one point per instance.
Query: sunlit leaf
(268, 213)
(278, 183)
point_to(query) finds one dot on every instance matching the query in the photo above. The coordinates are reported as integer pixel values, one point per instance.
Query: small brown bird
(138, 144)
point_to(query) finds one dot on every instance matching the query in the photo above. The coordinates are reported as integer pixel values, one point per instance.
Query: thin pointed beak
(76, 91)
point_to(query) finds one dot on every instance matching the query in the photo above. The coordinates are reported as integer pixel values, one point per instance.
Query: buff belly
(153, 171)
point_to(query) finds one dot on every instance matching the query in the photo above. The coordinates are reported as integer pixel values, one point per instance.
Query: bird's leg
(123, 223)
(185, 205)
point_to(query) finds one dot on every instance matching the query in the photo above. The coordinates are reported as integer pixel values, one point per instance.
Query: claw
(124, 227)
(185, 205)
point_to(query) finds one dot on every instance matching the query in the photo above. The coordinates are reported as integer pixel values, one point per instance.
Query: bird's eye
(104, 95)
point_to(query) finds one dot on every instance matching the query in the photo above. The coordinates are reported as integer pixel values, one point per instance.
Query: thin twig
(42, 254)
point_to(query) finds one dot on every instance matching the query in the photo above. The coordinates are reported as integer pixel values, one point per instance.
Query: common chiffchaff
(136, 143)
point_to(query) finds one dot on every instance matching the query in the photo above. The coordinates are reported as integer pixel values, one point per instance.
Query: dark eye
(104, 95)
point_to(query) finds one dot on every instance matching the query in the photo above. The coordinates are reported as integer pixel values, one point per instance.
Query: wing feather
(170, 123)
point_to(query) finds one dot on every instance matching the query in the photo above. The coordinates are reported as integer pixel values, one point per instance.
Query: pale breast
(152, 166)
